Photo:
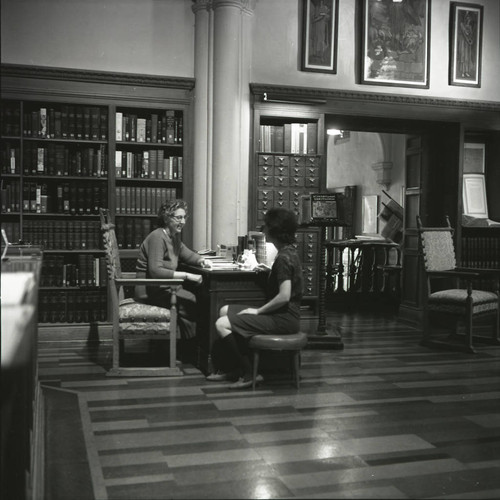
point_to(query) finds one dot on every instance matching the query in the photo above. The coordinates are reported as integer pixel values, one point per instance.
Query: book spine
(179, 128)
(154, 128)
(119, 125)
(86, 123)
(95, 123)
(145, 165)
(42, 129)
(141, 130)
(103, 129)
(79, 122)
(312, 138)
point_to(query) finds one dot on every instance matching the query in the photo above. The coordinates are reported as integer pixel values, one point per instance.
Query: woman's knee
(223, 311)
(223, 326)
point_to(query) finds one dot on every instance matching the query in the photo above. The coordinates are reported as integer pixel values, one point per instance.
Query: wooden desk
(220, 288)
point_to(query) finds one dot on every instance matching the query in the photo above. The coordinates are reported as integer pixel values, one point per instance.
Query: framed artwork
(369, 214)
(395, 43)
(474, 156)
(474, 196)
(466, 33)
(319, 35)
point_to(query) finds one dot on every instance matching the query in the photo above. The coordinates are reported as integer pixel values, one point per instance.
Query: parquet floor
(382, 418)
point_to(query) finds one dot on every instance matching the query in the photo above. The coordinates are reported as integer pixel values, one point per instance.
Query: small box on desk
(228, 251)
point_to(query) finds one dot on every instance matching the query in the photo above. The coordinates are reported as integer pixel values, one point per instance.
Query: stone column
(230, 119)
(202, 125)
(221, 120)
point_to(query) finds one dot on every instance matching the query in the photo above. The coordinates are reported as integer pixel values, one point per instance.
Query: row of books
(481, 251)
(295, 138)
(165, 127)
(150, 164)
(9, 196)
(72, 306)
(59, 159)
(66, 122)
(88, 271)
(75, 198)
(61, 234)
(10, 159)
(142, 200)
(131, 231)
(10, 120)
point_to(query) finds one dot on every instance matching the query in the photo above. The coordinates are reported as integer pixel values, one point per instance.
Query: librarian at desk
(159, 257)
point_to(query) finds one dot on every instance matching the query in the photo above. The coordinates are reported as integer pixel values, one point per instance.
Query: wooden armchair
(438, 256)
(133, 319)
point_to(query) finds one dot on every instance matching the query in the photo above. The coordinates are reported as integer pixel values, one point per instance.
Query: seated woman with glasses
(159, 256)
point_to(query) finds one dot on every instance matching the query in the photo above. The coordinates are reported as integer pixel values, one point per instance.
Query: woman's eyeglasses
(179, 218)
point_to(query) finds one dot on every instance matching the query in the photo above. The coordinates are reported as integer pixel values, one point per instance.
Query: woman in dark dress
(280, 315)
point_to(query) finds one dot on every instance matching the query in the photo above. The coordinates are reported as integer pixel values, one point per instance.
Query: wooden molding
(90, 76)
(308, 93)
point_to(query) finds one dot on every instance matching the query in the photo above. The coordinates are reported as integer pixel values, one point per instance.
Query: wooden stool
(294, 343)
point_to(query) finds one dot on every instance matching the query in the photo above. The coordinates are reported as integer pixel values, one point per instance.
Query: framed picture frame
(395, 43)
(319, 35)
(369, 214)
(474, 158)
(466, 40)
(474, 196)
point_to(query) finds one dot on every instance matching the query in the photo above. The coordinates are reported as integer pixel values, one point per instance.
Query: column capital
(246, 6)
(201, 5)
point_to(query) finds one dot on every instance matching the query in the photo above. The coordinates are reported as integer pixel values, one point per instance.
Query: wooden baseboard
(88, 332)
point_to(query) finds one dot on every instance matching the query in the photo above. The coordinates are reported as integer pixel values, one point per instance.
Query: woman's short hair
(168, 209)
(281, 224)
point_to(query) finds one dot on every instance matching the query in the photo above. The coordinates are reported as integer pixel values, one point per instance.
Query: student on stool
(280, 315)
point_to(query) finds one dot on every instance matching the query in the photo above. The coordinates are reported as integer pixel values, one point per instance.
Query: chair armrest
(148, 282)
(482, 271)
(453, 273)
(390, 267)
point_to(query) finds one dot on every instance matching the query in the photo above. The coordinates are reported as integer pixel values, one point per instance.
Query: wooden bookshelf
(73, 141)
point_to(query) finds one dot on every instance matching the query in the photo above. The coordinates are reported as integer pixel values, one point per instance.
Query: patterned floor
(382, 418)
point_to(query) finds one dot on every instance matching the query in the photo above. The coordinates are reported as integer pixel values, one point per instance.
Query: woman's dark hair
(168, 209)
(281, 224)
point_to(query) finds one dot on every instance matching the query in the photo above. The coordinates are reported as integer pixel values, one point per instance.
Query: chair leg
(468, 331)
(118, 348)
(256, 356)
(173, 349)
(296, 368)
(496, 327)
(425, 326)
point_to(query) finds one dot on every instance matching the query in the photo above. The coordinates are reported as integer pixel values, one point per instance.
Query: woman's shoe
(241, 384)
(244, 384)
(218, 377)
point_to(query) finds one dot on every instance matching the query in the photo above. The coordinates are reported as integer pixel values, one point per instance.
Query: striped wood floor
(382, 418)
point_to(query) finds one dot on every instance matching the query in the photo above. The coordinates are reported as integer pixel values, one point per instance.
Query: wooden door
(414, 171)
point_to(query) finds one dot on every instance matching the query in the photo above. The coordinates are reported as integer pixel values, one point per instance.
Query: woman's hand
(206, 263)
(250, 310)
(196, 278)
